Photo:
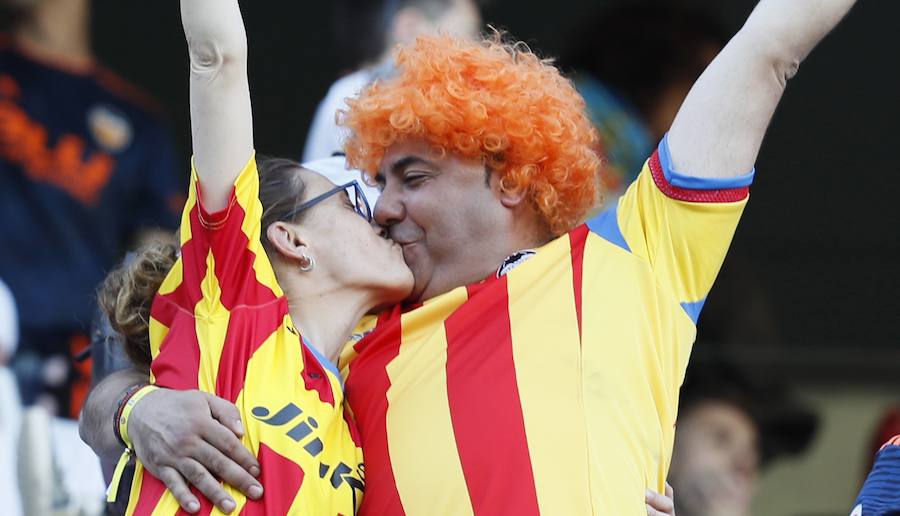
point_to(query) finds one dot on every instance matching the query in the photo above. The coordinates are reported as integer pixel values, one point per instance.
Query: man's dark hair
(639, 48)
(785, 426)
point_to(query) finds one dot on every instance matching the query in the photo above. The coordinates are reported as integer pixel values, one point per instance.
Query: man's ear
(511, 196)
(287, 240)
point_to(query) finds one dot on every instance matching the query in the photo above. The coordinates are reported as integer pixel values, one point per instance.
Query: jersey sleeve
(222, 269)
(230, 240)
(681, 225)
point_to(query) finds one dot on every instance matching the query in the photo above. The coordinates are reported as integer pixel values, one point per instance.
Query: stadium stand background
(821, 229)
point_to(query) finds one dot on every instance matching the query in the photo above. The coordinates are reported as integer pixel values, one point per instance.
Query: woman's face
(348, 249)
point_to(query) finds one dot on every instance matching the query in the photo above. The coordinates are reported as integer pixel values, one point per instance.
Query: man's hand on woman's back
(191, 438)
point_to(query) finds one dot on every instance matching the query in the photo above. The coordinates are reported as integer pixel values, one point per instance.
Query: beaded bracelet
(123, 410)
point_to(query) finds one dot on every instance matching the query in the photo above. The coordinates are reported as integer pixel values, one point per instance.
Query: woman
(277, 266)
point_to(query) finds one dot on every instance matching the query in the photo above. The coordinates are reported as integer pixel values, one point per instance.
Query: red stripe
(485, 407)
(577, 243)
(234, 260)
(206, 506)
(248, 329)
(176, 366)
(315, 378)
(281, 479)
(152, 490)
(366, 388)
(689, 195)
(178, 363)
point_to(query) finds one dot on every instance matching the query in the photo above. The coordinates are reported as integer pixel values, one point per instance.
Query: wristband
(127, 405)
(120, 405)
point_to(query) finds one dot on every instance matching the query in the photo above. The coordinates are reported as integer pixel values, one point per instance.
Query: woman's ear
(287, 240)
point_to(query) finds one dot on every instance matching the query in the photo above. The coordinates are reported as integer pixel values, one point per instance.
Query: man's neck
(58, 30)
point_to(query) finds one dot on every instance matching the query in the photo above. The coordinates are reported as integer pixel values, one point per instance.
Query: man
(728, 430)
(550, 384)
(86, 168)
(392, 23)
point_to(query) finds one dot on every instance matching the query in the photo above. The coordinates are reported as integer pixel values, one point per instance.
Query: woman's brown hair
(127, 293)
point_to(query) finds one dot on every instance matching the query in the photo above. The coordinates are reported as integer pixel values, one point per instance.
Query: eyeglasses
(354, 193)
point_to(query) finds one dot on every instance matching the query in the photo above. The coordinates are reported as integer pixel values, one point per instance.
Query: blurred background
(806, 310)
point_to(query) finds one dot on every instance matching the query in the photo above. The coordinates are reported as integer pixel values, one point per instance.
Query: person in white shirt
(404, 21)
(10, 405)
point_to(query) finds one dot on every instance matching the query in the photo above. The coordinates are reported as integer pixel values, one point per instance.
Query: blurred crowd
(87, 172)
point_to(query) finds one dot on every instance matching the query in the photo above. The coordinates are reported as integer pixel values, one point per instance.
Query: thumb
(226, 413)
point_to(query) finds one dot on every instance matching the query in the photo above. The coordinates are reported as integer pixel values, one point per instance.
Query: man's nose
(389, 209)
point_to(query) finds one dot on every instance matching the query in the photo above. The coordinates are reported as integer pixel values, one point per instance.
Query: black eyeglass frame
(357, 189)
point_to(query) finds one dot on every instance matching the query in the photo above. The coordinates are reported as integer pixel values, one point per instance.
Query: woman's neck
(327, 319)
(58, 30)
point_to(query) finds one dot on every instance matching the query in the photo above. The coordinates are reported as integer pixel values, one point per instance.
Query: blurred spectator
(728, 430)
(888, 427)
(10, 410)
(634, 64)
(382, 24)
(86, 169)
(880, 495)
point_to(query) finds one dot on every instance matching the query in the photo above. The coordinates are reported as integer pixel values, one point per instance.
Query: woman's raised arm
(221, 118)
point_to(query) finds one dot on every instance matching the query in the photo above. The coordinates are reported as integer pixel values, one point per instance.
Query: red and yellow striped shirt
(220, 323)
(552, 389)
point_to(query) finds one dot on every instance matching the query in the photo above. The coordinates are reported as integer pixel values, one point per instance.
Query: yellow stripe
(420, 432)
(348, 353)
(246, 188)
(211, 323)
(167, 506)
(135, 488)
(113, 489)
(158, 332)
(185, 230)
(546, 349)
(173, 278)
(623, 321)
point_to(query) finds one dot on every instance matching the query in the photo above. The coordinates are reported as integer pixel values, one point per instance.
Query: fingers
(223, 467)
(199, 477)
(233, 449)
(658, 504)
(226, 413)
(670, 491)
(176, 484)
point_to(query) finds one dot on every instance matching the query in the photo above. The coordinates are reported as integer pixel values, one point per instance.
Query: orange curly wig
(490, 100)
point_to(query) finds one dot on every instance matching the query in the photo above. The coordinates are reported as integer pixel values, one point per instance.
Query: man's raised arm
(720, 127)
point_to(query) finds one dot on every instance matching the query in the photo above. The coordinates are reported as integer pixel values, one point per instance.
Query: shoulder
(129, 97)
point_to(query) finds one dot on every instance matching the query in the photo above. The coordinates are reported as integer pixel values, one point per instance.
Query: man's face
(716, 460)
(444, 212)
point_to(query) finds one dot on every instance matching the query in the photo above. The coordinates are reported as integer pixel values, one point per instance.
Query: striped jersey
(880, 495)
(551, 389)
(220, 323)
